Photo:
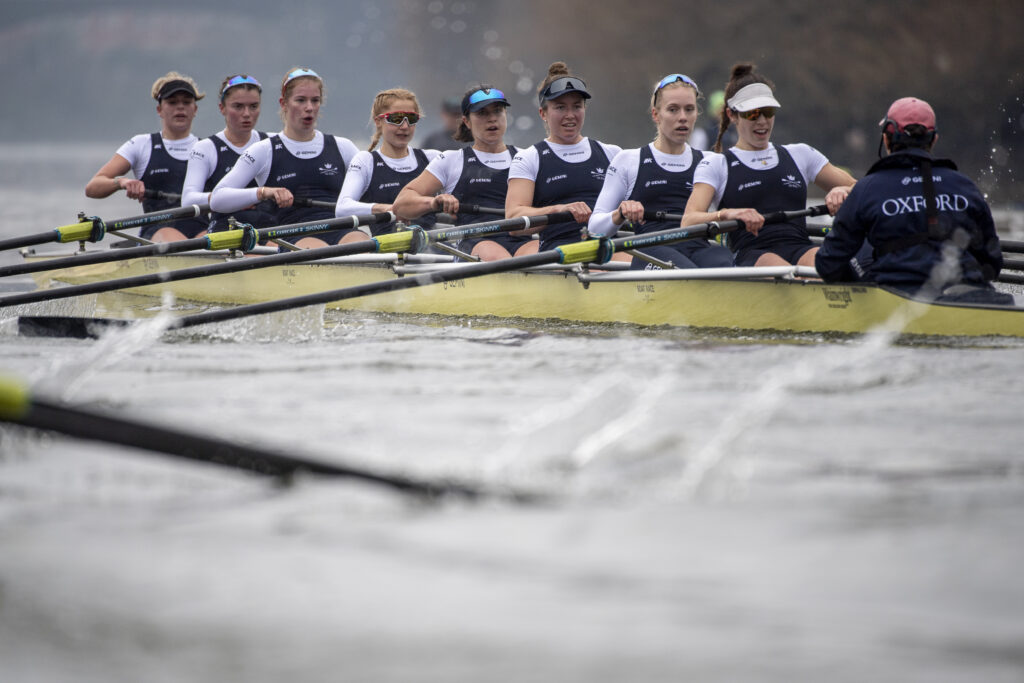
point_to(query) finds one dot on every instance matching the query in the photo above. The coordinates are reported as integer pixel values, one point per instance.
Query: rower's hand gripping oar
(812, 231)
(19, 406)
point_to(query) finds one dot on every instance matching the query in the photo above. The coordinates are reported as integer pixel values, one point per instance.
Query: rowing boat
(784, 299)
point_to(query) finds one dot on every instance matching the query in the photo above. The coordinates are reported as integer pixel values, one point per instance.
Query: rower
(213, 157)
(471, 175)
(658, 177)
(300, 161)
(563, 172)
(374, 178)
(158, 160)
(756, 177)
(929, 226)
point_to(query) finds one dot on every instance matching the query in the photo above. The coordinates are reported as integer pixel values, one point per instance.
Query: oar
(19, 406)
(244, 239)
(599, 251)
(405, 241)
(93, 229)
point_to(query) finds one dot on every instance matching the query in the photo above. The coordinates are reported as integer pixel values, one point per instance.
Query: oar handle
(160, 194)
(326, 225)
(312, 203)
(775, 217)
(607, 248)
(484, 210)
(485, 228)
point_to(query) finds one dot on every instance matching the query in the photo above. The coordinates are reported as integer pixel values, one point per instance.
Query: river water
(725, 507)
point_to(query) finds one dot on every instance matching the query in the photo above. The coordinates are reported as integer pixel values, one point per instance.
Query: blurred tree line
(81, 71)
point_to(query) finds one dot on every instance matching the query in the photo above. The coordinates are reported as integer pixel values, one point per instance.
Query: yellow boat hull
(788, 305)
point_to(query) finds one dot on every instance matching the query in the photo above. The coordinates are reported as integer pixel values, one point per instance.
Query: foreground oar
(597, 251)
(19, 406)
(406, 241)
(243, 239)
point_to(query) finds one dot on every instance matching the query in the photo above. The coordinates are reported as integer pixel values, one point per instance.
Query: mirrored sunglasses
(395, 118)
(753, 114)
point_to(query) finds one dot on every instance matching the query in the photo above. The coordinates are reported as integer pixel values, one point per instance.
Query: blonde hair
(655, 98)
(381, 103)
(287, 87)
(174, 76)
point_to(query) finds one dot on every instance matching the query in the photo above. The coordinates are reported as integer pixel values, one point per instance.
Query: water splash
(713, 469)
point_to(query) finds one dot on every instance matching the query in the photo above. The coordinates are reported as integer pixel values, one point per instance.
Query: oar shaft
(236, 266)
(94, 426)
(28, 240)
(93, 258)
(368, 289)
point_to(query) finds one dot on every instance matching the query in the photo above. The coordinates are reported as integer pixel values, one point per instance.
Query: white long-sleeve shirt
(231, 193)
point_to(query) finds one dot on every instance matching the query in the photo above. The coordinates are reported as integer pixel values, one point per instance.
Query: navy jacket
(887, 208)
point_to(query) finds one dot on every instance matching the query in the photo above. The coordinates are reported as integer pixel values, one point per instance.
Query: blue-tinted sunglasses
(240, 79)
(674, 78)
(302, 71)
(482, 98)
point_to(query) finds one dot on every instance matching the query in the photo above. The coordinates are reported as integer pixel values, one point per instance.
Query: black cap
(171, 87)
(563, 86)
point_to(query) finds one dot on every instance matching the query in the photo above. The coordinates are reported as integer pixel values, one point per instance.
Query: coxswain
(929, 227)
(476, 175)
(299, 162)
(157, 160)
(658, 177)
(374, 178)
(563, 172)
(757, 177)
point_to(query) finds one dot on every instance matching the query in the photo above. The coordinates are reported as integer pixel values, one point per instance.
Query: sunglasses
(395, 118)
(754, 114)
(297, 73)
(240, 79)
(675, 78)
(565, 84)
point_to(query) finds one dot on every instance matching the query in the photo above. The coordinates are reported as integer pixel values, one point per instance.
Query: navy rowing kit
(563, 182)
(259, 216)
(660, 189)
(484, 186)
(781, 188)
(318, 178)
(166, 174)
(910, 218)
(386, 183)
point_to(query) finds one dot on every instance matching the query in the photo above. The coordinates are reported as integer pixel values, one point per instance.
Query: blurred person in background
(451, 116)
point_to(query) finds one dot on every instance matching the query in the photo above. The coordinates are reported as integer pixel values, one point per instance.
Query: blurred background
(77, 71)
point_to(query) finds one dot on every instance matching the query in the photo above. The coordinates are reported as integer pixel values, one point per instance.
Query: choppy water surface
(725, 507)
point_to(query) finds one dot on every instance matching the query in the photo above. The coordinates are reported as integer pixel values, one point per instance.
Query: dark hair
(463, 133)
(555, 71)
(742, 75)
(913, 135)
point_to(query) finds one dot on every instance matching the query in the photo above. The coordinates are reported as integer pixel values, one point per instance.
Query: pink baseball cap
(907, 111)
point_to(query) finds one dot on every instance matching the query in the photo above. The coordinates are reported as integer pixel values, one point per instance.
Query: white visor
(753, 96)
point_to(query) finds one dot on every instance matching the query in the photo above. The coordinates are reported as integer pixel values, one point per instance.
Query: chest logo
(792, 181)
(329, 169)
